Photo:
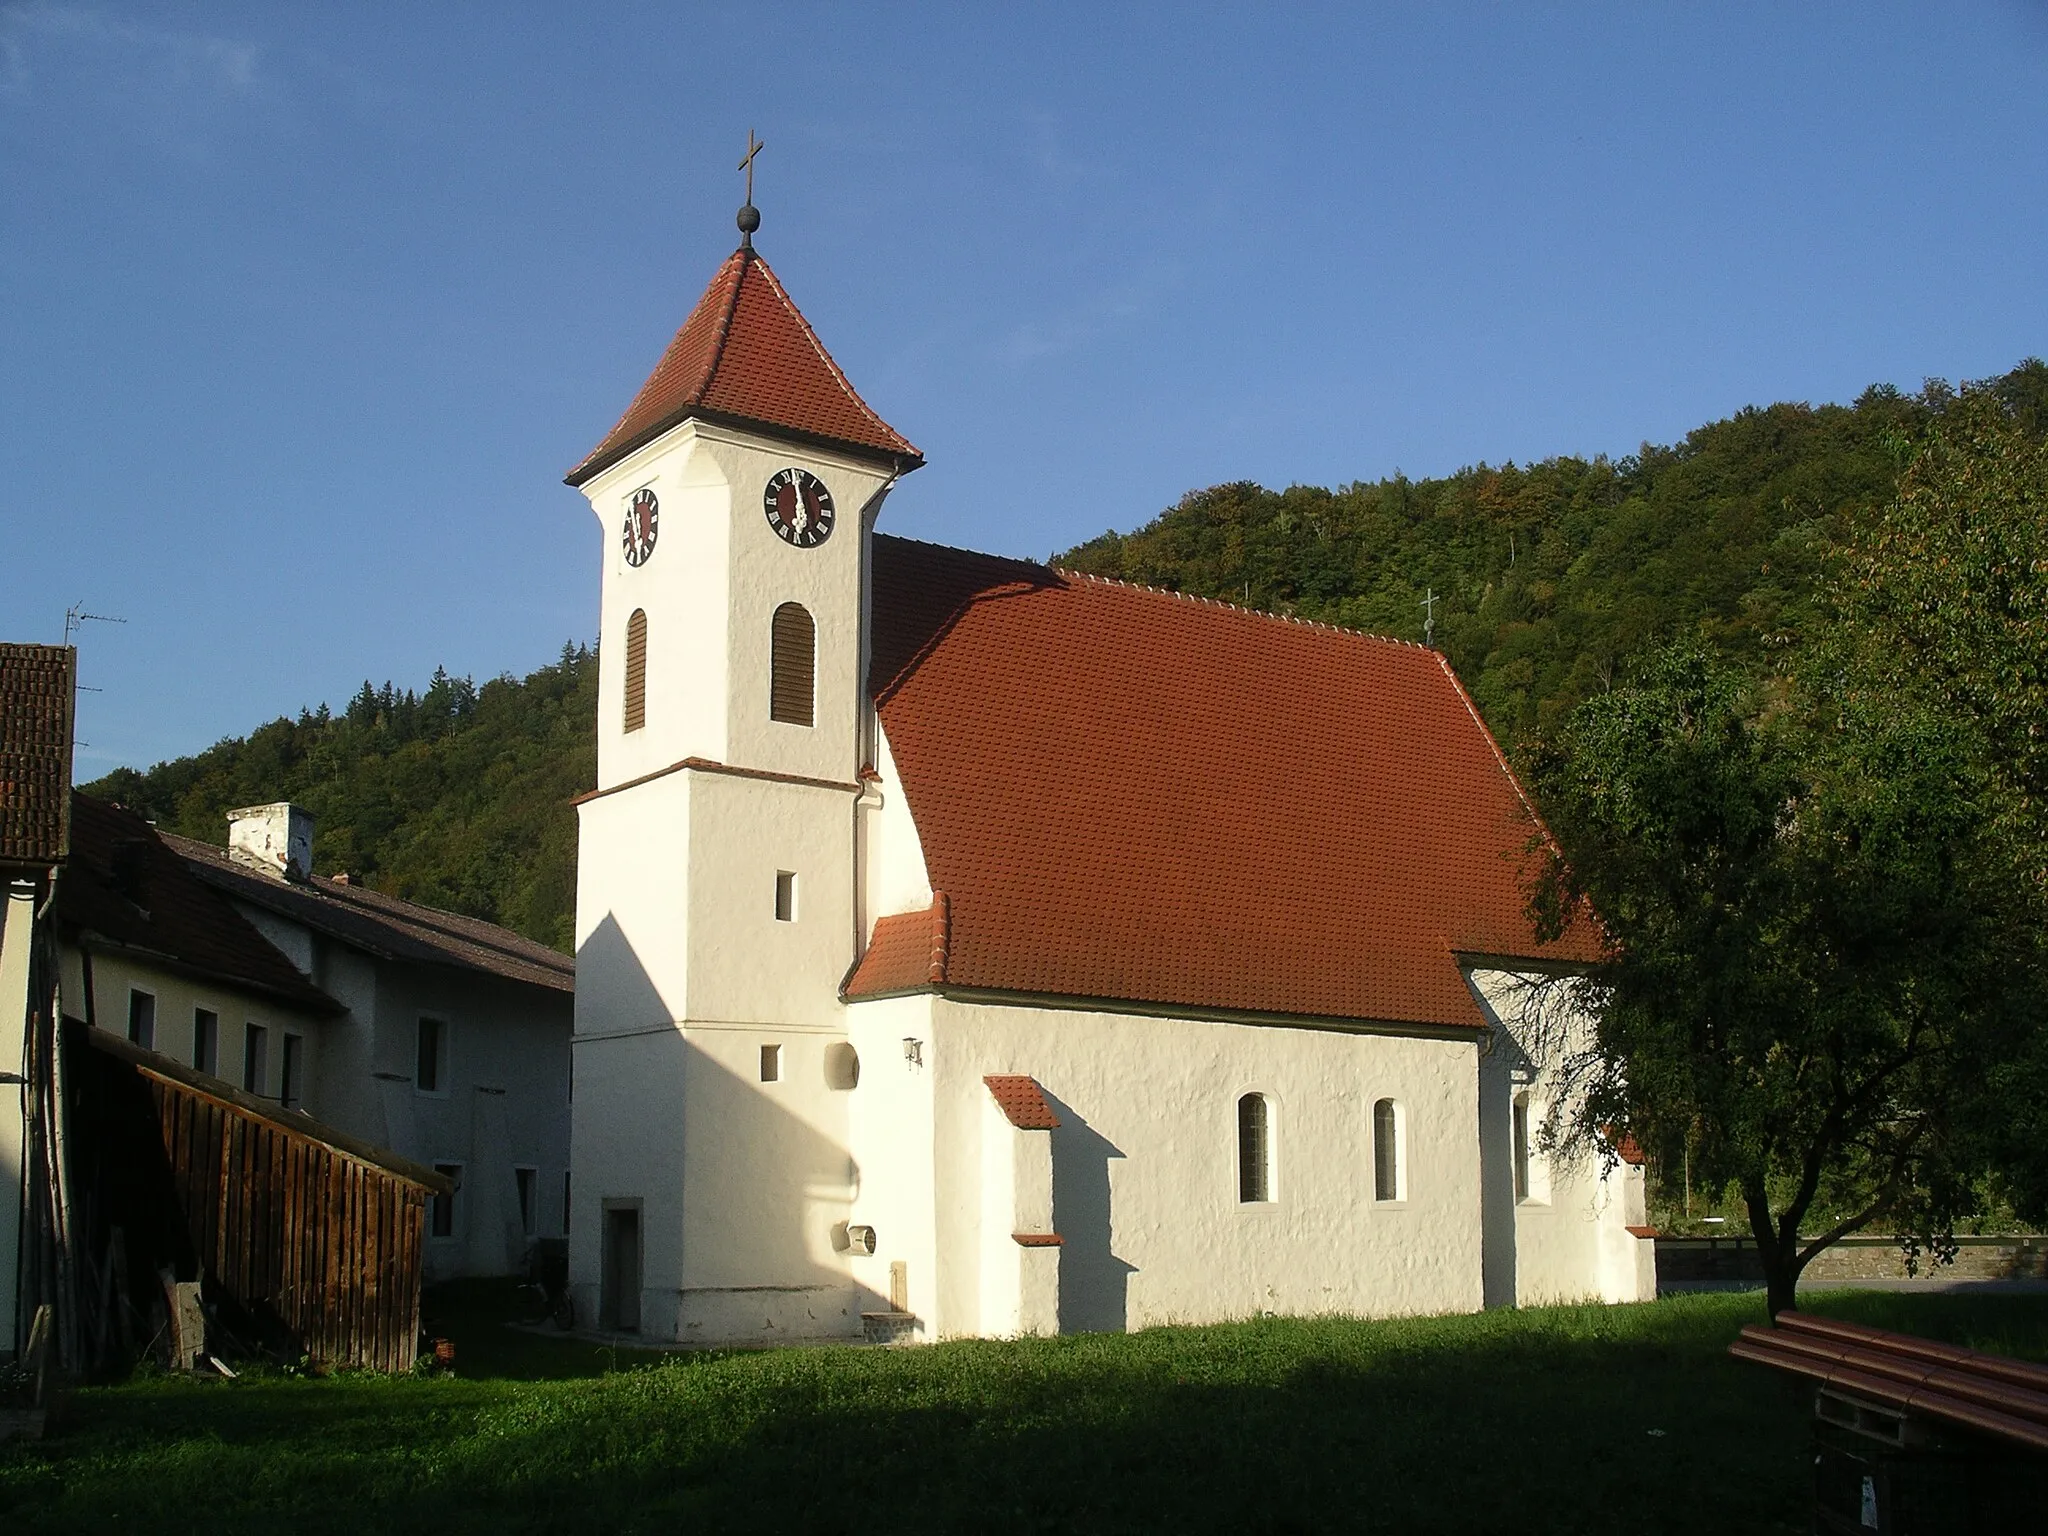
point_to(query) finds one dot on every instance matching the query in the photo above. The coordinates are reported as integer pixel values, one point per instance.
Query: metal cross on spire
(750, 216)
(1428, 607)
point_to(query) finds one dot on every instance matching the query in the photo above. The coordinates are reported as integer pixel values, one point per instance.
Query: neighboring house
(449, 1044)
(36, 696)
(971, 947)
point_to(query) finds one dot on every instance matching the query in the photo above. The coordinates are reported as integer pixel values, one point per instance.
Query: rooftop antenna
(1428, 607)
(76, 618)
(750, 216)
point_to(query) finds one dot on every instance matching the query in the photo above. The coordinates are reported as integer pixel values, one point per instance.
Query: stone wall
(1733, 1260)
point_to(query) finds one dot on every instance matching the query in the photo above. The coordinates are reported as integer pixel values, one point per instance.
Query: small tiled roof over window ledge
(1023, 1101)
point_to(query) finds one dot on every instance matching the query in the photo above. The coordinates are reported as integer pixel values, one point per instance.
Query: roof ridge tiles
(1228, 606)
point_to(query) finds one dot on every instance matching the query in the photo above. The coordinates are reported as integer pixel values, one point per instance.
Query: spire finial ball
(750, 219)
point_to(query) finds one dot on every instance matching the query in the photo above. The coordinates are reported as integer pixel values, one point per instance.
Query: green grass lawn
(1559, 1419)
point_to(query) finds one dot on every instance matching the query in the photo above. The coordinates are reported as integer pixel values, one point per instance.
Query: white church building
(969, 947)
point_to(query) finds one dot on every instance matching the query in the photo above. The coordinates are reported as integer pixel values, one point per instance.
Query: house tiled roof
(1135, 796)
(381, 925)
(123, 885)
(36, 692)
(747, 356)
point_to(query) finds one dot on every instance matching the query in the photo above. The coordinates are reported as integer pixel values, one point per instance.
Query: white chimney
(276, 839)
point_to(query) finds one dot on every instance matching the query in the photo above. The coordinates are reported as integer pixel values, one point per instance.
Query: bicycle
(544, 1294)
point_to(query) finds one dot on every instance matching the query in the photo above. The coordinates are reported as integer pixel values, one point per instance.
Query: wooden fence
(298, 1223)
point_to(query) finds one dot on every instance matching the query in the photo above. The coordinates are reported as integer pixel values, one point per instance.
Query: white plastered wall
(1145, 1167)
(890, 1129)
(710, 590)
(17, 923)
(1568, 1239)
(893, 855)
(117, 973)
(1019, 1282)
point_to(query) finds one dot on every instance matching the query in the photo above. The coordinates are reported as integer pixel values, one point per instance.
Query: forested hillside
(1548, 577)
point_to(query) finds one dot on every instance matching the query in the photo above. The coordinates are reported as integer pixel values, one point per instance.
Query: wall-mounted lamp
(913, 1051)
(860, 1239)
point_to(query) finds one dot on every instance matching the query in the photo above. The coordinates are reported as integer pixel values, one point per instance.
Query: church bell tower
(716, 874)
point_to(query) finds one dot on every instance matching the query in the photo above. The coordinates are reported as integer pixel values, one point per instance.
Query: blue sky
(304, 311)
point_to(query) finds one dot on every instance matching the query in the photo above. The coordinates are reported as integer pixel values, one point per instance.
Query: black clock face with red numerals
(642, 517)
(799, 508)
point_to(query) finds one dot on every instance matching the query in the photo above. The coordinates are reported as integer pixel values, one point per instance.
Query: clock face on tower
(642, 516)
(799, 508)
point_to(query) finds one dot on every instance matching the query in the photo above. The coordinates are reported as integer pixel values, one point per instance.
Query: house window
(793, 666)
(441, 1214)
(142, 1020)
(291, 1081)
(1389, 1180)
(255, 1058)
(206, 1041)
(430, 1068)
(771, 1063)
(785, 896)
(565, 1203)
(527, 1182)
(636, 670)
(1254, 1150)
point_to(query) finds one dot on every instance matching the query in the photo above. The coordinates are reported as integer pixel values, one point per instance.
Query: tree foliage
(1817, 948)
(1823, 881)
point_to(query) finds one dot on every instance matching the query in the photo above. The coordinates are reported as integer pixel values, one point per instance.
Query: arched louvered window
(1386, 1151)
(793, 666)
(636, 670)
(1254, 1150)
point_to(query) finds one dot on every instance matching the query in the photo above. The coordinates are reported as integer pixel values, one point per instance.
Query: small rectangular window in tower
(255, 1058)
(771, 1063)
(565, 1203)
(206, 1041)
(635, 713)
(785, 896)
(142, 1020)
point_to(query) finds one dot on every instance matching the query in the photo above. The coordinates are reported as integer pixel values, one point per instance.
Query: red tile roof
(124, 885)
(1023, 1101)
(35, 752)
(1130, 795)
(907, 954)
(747, 356)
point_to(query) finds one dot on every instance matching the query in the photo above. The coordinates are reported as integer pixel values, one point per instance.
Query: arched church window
(1387, 1172)
(636, 670)
(793, 666)
(1527, 1173)
(1254, 1150)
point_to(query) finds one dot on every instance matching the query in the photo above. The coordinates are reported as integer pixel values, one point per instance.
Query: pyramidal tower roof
(747, 357)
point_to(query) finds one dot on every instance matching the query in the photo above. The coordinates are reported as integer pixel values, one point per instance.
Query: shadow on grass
(1527, 1421)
